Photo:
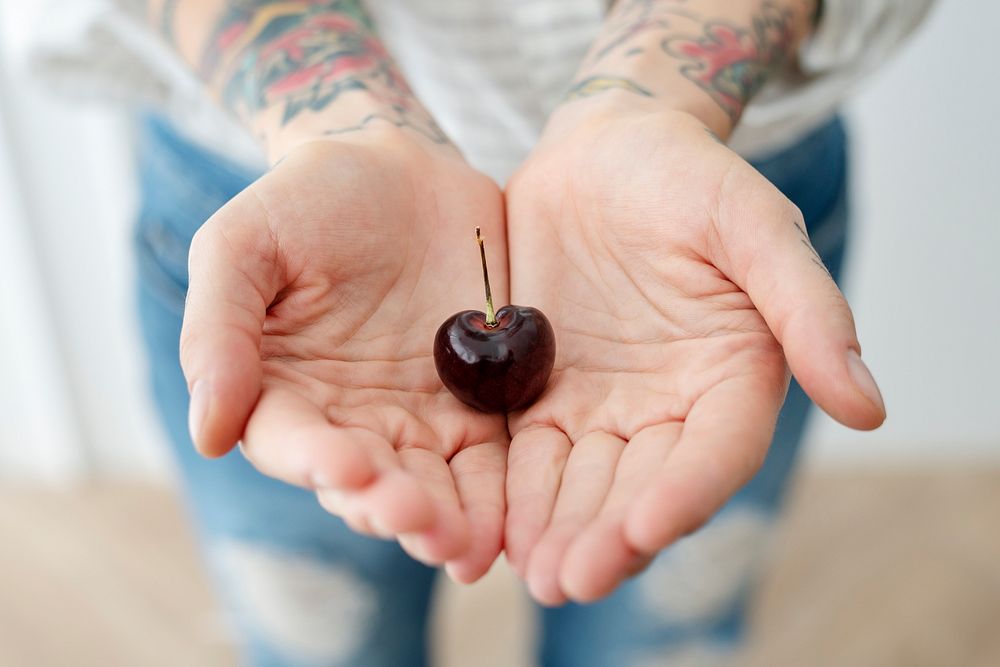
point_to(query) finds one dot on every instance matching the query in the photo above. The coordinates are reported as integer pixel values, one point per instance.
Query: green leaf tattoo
(595, 85)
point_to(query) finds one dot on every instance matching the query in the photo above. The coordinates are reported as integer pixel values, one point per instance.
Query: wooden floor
(879, 570)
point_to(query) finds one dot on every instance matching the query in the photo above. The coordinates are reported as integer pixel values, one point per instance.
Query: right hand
(313, 302)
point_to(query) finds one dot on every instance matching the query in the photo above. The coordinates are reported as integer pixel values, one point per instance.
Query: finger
(346, 506)
(534, 468)
(447, 536)
(768, 254)
(479, 473)
(234, 275)
(290, 439)
(722, 445)
(396, 503)
(588, 475)
(599, 558)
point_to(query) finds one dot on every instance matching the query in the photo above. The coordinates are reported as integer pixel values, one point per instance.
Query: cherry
(495, 362)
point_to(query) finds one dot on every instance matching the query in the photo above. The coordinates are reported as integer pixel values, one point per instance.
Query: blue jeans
(303, 589)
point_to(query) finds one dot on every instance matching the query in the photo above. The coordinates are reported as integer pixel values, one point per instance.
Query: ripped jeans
(304, 590)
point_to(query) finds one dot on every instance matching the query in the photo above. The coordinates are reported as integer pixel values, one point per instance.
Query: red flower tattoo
(732, 63)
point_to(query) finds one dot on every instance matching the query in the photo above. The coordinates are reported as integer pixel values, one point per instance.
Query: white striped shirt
(489, 72)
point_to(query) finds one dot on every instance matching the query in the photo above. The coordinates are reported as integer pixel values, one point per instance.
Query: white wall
(923, 281)
(75, 403)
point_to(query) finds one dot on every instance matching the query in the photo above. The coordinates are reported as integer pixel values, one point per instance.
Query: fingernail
(197, 409)
(863, 379)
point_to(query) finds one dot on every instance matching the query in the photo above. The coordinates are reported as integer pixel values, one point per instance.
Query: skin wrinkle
(582, 231)
(575, 514)
(731, 330)
(409, 429)
(348, 334)
(716, 218)
(608, 306)
(556, 420)
(597, 422)
(628, 432)
(480, 469)
(623, 339)
(399, 427)
(677, 288)
(255, 315)
(299, 302)
(431, 388)
(276, 257)
(414, 285)
(648, 296)
(583, 308)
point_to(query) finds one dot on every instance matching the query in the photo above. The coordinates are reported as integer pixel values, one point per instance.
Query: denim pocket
(812, 172)
(181, 186)
(162, 261)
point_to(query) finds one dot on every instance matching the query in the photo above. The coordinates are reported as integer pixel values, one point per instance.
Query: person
(302, 256)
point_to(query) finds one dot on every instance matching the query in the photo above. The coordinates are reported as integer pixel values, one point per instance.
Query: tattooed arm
(705, 57)
(679, 281)
(292, 70)
(315, 292)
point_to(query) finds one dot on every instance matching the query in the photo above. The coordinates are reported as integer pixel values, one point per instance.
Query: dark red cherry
(495, 362)
(499, 368)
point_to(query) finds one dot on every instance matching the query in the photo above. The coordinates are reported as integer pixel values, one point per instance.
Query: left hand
(678, 281)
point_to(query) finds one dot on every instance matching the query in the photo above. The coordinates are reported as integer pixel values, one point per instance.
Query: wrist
(610, 97)
(707, 59)
(615, 108)
(356, 120)
(380, 141)
(296, 72)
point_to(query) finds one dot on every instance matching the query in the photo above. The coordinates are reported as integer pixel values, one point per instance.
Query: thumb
(770, 257)
(234, 276)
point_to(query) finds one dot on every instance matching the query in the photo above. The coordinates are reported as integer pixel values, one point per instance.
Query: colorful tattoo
(729, 60)
(593, 85)
(631, 18)
(302, 55)
(731, 63)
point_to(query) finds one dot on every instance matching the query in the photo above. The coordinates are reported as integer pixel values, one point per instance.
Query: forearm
(293, 70)
(704, 57)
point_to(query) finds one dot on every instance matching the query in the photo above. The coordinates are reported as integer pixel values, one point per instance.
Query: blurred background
(889, 553)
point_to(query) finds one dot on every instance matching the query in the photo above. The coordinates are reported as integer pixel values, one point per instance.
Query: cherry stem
(491, 317)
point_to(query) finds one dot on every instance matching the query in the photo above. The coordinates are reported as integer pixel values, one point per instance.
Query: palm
(665, 374)
(370, 264)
